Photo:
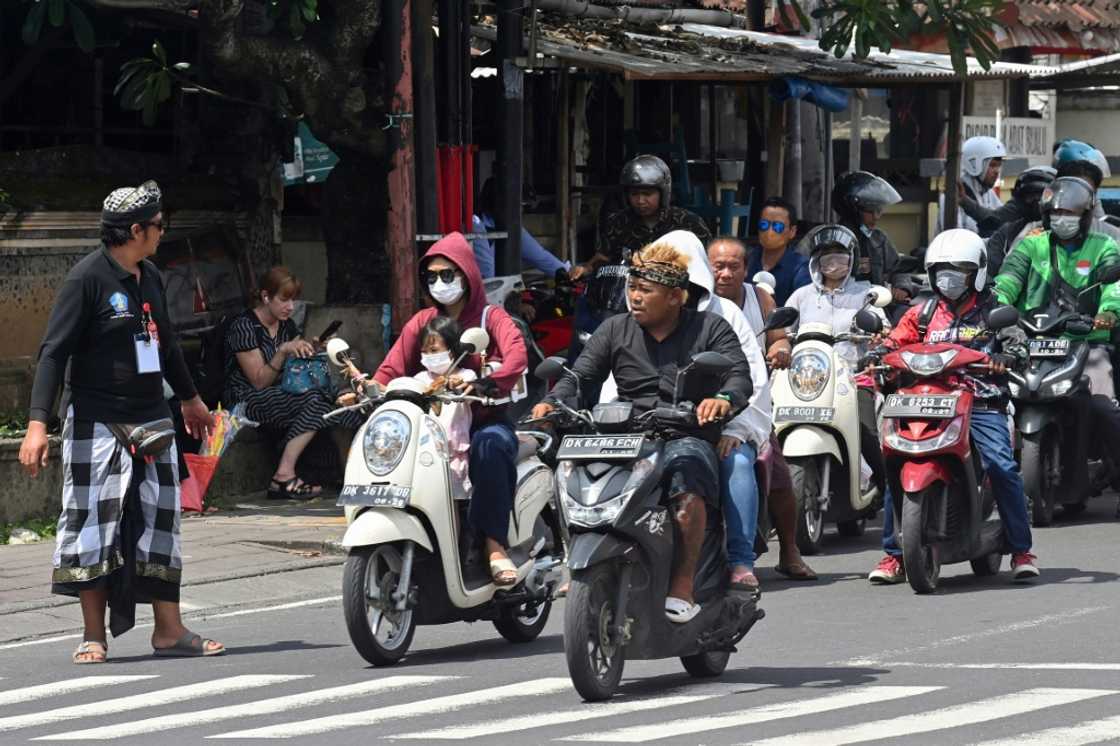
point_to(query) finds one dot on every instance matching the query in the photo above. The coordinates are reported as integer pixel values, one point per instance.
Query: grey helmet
(1069, 193)
(648, 171)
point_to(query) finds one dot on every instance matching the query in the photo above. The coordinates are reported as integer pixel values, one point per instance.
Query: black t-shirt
(93, 326)
(246, 332)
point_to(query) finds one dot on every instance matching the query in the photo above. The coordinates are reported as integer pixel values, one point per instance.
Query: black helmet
(1032, 182)
(648, 171)
(857, 191)
(1069, 193)
(830, 237)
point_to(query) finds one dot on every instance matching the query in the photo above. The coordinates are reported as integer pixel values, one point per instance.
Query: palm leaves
(57, 13)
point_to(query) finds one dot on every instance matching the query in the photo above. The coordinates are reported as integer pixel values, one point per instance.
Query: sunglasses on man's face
(160, 225)
(446, 275)
(776, 225)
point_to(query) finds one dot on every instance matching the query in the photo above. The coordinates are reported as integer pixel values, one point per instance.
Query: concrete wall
(1093, 118)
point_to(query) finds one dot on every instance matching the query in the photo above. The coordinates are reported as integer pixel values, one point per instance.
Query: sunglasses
(777, 226)
(162, 226)
(446, 275)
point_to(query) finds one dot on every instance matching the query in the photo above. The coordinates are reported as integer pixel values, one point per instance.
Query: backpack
(210, 375)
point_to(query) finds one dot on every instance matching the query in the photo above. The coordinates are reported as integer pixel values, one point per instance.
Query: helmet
(1032, 182)
(648, 171)
(830, 237)
(1076, 150)
(1069, 193)
(977, 151)
(963, 249)
(859, 190)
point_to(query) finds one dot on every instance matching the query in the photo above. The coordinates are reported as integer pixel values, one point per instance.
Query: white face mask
(1065, 227)
(835, 266)
(952, 284)
(436, 363)
(446, 293)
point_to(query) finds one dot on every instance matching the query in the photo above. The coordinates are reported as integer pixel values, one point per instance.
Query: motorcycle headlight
(808, 374)
(589, 516)
(385, 442)
(948, 437)
(928, 363)
(1015, 388)
(1060, 388)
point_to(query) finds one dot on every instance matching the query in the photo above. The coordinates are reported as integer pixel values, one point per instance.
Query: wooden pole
(511, 148)
(401, 233)
(953, 155)
(564, 166)
(794, 187)
(855, 132)
(774, 150)
(424, 78)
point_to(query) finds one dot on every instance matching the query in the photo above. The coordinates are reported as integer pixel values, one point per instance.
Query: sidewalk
(254, 539)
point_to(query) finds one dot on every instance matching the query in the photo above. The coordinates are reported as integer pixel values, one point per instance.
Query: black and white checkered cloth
(96, 475)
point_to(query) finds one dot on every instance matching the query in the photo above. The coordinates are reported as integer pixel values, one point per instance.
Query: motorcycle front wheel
(806, 477)
(1038, 482)
(379, 632)
(595, 663)
(706, 665)
(923, 567)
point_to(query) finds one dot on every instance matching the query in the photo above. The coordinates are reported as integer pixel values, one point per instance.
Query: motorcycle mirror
(781, 318)
(879, 296)
(338, 351)
(475, 340)
(868, 322)
(908, 264)
(1109, 275)
(550, 368)
(1003, 317)
(714, 363)
(766, 281)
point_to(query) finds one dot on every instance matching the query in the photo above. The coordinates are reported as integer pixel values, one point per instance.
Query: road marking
(1051, 619)
(863, 695)
(1011, 666)
(1090, 731)
(42, 641)
(481, 697)
(158, 698)
(42, 691)
(982, 711)
(585, 712)
(249, 709)
(280, 607)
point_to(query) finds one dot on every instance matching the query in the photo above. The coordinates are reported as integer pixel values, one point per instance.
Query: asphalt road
(834, 662)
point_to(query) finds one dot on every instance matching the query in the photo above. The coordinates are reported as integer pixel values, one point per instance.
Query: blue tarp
(827, 97)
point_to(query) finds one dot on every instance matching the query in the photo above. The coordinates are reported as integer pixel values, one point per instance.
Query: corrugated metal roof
(1095, 72)
(699, 52)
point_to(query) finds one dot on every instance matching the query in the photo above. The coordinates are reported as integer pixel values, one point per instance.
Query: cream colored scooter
(816, 418)
(409, 562)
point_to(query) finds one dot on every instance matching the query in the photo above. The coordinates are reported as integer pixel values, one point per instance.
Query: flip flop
(679, 611)
(798, 571)
(747, 583)
(500, 570)
(86, 648)
(190, 645)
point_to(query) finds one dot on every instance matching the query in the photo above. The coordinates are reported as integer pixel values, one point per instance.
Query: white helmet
(961, 248)
(977, 151)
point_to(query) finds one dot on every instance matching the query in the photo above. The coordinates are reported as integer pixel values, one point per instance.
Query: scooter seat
(527, 447)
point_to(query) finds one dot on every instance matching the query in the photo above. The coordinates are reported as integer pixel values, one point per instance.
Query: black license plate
(600, 447)
(916, 405)
(804, 414)
(1049, 347)
(374, 495)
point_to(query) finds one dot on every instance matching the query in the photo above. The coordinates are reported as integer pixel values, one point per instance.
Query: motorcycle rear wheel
(382, 636)
(514, 624)
(706, 665)
(923, 567)
(986, 566)
(806, 478)
(594, 663)
(1038, 466)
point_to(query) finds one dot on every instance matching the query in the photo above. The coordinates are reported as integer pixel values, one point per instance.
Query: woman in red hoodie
(452, 280)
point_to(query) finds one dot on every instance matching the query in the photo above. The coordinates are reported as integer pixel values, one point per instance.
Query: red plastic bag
(193, 490)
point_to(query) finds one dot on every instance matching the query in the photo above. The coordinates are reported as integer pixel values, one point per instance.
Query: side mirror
(1003, 317)
(475, 340)
(550, 368)
(781, 318)
(908, 263)
(713, 363)
(879, 296)
(1110, 274)
(868, 322)
(766, 281)
(338, 351)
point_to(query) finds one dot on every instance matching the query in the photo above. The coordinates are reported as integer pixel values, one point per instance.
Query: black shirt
(93, 326)
(246, 332)
(645, 370)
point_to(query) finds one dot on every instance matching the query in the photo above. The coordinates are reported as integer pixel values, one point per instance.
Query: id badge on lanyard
(147, 344)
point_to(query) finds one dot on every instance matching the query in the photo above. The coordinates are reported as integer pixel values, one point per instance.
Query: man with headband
(118, 537)
(644, 349)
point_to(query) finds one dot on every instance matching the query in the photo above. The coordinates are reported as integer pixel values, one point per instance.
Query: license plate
(1049, 347)
(915, 405)
(804, 414)
(374, 495)
(600, 447)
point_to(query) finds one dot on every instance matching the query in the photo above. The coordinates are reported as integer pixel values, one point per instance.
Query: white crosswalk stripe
(249, 709)
(69, 686)
(480, 697)
(1090, 731)
(157, 698)
(766, 713)
(982, 711)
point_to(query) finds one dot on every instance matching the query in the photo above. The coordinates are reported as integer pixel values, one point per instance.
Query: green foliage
(45, 527)
(295, 13)
(145, 83)
(864, 24)
(14, 426)
(57, 13)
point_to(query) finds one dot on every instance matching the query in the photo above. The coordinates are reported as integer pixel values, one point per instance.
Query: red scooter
(936, 478)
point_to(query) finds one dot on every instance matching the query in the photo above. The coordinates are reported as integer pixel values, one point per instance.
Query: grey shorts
(691, 468)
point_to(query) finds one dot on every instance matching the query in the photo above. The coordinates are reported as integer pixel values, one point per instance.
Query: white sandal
(680, 611)
(502, 566)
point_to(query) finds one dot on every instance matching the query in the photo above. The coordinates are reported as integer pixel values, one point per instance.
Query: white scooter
(409, 559)
(816, 418)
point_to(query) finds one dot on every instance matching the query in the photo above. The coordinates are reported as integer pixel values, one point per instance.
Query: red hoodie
(506, 343)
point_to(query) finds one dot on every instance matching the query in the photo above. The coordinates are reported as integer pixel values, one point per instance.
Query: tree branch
(167, 6)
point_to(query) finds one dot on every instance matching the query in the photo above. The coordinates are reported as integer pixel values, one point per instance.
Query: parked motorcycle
(409, 561)
(610, 481)
(934, 469)
(816, 418)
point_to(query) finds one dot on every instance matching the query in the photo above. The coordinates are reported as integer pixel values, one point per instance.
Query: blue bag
(306, 374)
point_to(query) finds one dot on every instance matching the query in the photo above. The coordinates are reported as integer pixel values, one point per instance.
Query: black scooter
(611, 486)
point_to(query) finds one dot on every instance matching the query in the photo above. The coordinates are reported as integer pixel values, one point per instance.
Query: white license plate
(600, 447)
(918, 405)
(804, 414)
(374, 496)
(1049, 347)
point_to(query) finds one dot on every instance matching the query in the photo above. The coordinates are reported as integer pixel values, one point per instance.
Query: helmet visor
(874, 195)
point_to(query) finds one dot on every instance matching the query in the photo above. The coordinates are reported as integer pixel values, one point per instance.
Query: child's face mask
(835, 266)
(436, 363)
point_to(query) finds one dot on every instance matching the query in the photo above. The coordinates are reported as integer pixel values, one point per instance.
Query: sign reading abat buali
(1024, 137)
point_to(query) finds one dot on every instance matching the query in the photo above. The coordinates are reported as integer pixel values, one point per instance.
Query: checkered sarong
(96, 475)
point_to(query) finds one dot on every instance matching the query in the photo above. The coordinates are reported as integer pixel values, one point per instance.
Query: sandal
(190, 645)
(503, 572)
(680, 611)
(290, 490)
(796, 571)
(87, 648)
(747, 583)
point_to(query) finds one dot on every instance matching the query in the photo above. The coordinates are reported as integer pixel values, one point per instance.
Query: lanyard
(148, 324)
